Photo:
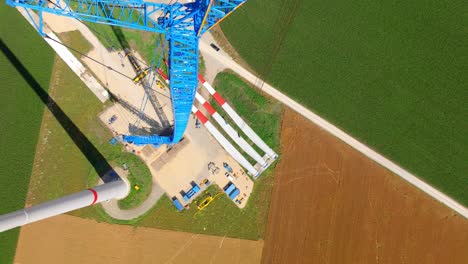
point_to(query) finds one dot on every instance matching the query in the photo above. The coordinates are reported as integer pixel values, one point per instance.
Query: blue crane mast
(182, 24)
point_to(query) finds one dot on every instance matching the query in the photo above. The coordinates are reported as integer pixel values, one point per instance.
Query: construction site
(206, 154)
(155, 119)
(234, 177)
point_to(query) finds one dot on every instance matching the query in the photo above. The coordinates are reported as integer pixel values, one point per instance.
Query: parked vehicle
(112, 119)
(227, 167)
(214, 46)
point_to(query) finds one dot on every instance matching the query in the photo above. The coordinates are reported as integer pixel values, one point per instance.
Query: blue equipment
(234, 194)
(112, 119)
(177, 204)
(182, 24)
(113, 141)
(231, 190)
(227, 167)
(194, 190)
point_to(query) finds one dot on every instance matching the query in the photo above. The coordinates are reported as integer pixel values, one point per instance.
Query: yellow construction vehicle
(140, 76)
(159, 84)
(205, 181)
(205, 202)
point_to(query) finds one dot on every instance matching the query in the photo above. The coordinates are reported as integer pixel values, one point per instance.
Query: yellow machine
(205, 181)
(140, 76)
(205, 202)
(159, 84)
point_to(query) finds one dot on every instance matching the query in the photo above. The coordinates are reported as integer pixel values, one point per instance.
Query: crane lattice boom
(182, 24)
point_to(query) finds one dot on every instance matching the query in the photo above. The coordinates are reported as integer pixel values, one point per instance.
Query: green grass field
(120, 38)
(20, 114)
(392, 74)
(262, 115)
(76, 41)
(141, 41)
(138, 175)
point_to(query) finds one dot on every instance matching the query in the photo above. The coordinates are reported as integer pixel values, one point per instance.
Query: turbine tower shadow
(95, 158)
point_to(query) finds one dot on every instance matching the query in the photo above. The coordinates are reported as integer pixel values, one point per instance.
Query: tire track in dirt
(369, 216)
(68, 239)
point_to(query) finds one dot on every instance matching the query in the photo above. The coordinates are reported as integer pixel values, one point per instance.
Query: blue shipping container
(234, 194)
(229, 188)
(177, 204)
(191, 193)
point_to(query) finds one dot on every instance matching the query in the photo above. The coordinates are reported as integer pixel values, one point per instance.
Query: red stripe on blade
(95, 195)
(201, 116)
(219, 98)
(163, 74)
(209, 108)
(200, 79)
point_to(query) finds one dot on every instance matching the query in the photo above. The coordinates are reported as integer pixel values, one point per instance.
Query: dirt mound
(333, 205)
(68, 239)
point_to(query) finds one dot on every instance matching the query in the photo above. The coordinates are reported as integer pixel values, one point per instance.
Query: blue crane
(182, 23)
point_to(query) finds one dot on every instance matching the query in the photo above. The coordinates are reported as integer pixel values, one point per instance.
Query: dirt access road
(331, 204)
(68, 239)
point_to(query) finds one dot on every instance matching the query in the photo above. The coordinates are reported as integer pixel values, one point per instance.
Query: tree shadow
(95, 158)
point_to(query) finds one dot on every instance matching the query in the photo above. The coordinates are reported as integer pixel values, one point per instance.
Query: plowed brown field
(67, 239)
(331, 204)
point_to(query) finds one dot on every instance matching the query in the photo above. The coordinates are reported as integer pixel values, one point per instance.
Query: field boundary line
(335, 131)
